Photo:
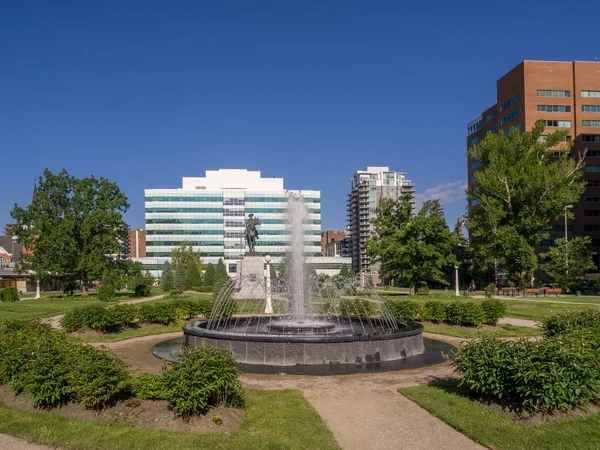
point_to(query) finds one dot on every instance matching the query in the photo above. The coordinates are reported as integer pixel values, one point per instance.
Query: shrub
(9, 294)
(356, 308)
(541, 376)
(490, 290)
(106, 292)
(465, 313)
(568, 322)
(434, 311)
(407, 310)
(205, 377)
(422, 288)
(99, 317)
(494, 310)
(96, 375)
(175, 293)
(149, 386)
(161, 313)
(205, 289)
(142, 290)
(123, 315)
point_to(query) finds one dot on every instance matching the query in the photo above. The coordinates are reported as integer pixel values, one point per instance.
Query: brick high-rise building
(330, 236)
(367, 188)
(566, 95)
(137, 243)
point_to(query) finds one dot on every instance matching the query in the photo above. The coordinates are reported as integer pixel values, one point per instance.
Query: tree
(107, 288)
(412, 248)
(179, 280)
(344, 271)
(166, 279)
(74, 228)
(220, 272)
(569, 260)
(193, 279)
(521, 188)
(187, 256)
(209, 275)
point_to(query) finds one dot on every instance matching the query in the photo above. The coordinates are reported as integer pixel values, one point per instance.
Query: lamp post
(269, 304)
(567, 241)
(456, 292)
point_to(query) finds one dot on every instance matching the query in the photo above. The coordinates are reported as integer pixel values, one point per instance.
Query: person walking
(472, 287)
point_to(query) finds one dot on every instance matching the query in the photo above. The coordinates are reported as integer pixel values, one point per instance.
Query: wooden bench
(553, 291)
(531, 291)
(508, 291)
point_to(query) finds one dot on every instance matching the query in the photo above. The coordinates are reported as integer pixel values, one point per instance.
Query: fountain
(319, 326)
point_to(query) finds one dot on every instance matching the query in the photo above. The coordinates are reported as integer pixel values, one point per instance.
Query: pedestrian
(472, 287)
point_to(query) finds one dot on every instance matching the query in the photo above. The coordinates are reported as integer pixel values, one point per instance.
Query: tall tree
(220, 272)
(412, 248)
(521, 188)
(187, 256)
(74, 228)
(193, 279)
(569, 260)
(166, 279)
(209, 275)
(179, 280)
(344, 272)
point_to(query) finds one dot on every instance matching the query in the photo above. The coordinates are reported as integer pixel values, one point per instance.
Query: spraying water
(297, 272)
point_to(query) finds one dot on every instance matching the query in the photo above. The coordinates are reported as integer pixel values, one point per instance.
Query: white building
(209, 213)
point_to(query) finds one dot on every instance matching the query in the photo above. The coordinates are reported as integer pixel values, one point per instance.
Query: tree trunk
(411, 288)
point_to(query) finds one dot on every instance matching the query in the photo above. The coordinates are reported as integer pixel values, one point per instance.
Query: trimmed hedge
(9, 294)
(568, 322)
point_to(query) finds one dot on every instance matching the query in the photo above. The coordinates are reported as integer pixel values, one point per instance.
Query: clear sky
(146, 92)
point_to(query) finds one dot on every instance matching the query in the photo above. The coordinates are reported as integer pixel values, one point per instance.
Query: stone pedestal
(251, 278)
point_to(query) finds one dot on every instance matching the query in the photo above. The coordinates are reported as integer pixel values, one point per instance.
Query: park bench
(553, 291)
(508, 291)
(531, 291)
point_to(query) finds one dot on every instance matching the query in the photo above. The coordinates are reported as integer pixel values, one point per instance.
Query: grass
(472, 332)
(496, 430)
(133, 333)
(274, 419)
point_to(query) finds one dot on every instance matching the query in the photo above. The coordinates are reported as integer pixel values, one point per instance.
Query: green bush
(123, 315)
(490, 290)
(356, 308)
(205, 377)
(161, 313)
(434, 311)
(422, 288)
(149, 386)
(99, 317)
(205, 289)
(96, 375)
(175, 293)
(568, 322)
(106, 293)
(465, 313)
(541, 376)
(406, 310)
(9, 294)
(494, 310)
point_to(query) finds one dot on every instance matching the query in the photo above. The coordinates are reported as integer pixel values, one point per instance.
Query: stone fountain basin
(352, 340)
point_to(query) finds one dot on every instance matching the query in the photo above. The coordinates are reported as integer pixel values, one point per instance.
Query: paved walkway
(518, 322)
(11, 443)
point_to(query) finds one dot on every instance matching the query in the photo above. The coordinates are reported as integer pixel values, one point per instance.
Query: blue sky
(144, 93)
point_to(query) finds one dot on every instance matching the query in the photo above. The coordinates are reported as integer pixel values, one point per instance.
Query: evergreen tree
(273, 273)
(166, 279)
(209, 275)
(344, 271)
(179, 281)
(107, 288)
(220, 272)
(193, 279)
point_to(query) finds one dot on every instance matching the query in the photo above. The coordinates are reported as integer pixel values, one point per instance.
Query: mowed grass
(274, 419)
(473, 332)
(498, 431)
(133, 333)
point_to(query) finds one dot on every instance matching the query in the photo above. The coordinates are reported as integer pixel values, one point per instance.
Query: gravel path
(518, 322)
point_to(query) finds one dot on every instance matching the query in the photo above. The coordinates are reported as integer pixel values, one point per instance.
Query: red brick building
(137, 243)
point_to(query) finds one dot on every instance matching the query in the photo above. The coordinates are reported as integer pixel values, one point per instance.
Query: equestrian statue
(251, 232)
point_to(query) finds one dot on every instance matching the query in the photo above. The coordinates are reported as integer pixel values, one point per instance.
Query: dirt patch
(154, 414)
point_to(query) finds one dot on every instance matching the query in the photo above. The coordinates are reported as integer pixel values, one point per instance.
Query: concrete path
(518, 322)
(11, 443)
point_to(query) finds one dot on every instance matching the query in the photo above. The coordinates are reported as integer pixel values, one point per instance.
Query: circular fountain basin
(276, 341)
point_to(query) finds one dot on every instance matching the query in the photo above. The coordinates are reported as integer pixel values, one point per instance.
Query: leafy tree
(344, 272)
(519, 191)
(220, 272)
(209, 275)
(74, 228)
(273, 273)
(569, 260)
(193, 279)
(187, 256)
(107, 288)
(166, 279)
(179, 280)
(412, 248)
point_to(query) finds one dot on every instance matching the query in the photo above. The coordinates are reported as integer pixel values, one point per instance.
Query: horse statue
(251, 232)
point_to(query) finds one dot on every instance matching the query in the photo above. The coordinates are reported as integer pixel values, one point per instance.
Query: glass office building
(209, 213)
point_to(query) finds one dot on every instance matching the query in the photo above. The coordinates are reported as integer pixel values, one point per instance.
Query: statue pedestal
(251, 278)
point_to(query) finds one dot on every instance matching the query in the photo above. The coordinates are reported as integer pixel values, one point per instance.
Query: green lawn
(133, 333)
(472, 332)
(274, 419)
(496, 430)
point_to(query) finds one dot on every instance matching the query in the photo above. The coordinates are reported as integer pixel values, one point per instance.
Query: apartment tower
(566, 96)
(367, 188)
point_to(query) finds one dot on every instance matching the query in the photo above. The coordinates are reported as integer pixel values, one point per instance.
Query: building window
(475, 140)
(558, 123)
(551, 93)
(560, 228)
(233, 201)
(590, 137)
(592, 213)
(232, 268)
(547, 243)
(590, 94)
(491, 116)
(474, 128)
(234, 223)
(512, 101)
(492, 130)
(591, 169)
(544, 138)
(590, 108)
(590, 123)
(592, 154)
(516, 127)
(475, 202)
(591, 198)
(557, 153)
(554, 108)
(511, 116)
(593, 228)
(476, 165)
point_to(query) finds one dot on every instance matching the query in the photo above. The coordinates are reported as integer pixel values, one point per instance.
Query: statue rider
(251, 231)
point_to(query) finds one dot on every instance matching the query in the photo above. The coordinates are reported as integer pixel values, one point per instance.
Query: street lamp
(567, 241)
(456, 293)
(269, 304)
